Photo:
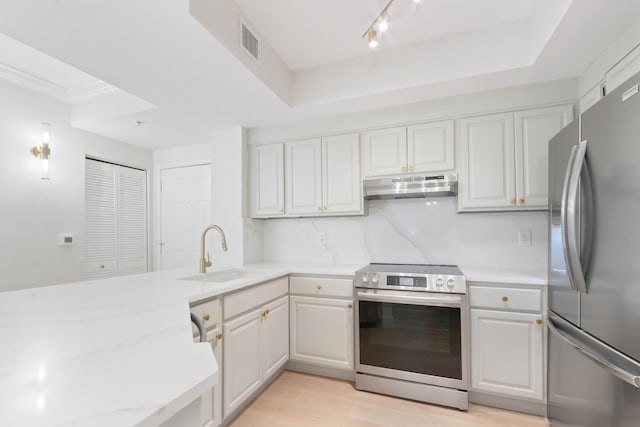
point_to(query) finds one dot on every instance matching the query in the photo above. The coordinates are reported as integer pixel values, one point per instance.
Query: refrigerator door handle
(610, 359)
(564, 211)
(569, 218)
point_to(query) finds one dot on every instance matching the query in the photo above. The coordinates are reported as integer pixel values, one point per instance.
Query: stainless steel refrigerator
(594, 266)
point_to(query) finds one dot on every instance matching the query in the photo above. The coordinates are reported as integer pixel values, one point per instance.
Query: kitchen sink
(225, 275)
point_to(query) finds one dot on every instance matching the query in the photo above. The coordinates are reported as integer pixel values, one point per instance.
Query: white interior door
(185, 210)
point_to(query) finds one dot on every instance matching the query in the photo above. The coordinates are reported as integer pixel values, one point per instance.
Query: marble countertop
(113, 352)
(505, 276)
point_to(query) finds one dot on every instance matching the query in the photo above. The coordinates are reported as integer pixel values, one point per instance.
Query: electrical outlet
(524, 238)
(322, 237)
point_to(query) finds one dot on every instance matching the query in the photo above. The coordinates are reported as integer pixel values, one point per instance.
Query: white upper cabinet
(427, 147)
(303, 177)
(430, 147)
(385, 151)
(534, 129)
(487, 170)
(591, 97)
(267, 180)
(623, 70)
(504, 158)
(341, 183)
(322, 176)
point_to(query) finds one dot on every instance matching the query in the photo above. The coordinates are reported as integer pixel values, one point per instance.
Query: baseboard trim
(528, 407)
(323, 371)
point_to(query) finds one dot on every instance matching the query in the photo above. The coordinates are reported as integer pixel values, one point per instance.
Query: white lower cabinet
(211, 402)
(256, 332)
(322, 331)
(507, 346)
(322, 321)
(211, 406)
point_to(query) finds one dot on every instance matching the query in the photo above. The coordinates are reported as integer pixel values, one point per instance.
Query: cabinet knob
(505, 299)
(513, 201)
(521, 201)
(319, 209)
(219, 337)
(264, 313)
(324, 209)
(404, 169)
(350, 306)
(318, 287)
(268, 311)
(206, 317)
(539, 322)
(410, 168)
(101, 265)
(281, 210)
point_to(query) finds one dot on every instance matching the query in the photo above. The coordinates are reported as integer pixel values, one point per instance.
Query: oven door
(414, 336)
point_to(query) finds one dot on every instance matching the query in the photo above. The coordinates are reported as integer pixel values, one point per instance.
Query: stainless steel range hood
(413, 186)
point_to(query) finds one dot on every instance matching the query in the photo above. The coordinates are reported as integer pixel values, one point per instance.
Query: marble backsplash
(425, 231)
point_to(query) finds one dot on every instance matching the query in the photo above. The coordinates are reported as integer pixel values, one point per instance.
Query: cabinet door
(430, 147)
(623, 70)
(534, 129)
(487, 174)
(322, 331)
(303, 177)
(385, 151)
(342, 185)
(506, 353)
(242, 359)
(591, 97)
(267, 180)
(211, 408)
(276, 335)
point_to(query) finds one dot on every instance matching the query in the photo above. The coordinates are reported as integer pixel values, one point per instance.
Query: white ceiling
(307, 34)
(178, 68)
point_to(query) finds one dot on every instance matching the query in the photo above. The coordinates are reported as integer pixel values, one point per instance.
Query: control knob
(451, 283)
(374, 280)
(439, 282)
(365, 278)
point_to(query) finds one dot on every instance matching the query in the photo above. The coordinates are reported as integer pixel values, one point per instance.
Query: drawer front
(506, 298)
(210, 313)
(242, 301)
(321, 286)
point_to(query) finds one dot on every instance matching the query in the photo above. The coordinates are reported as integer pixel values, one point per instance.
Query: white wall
(226, 151)
(414, 231)
(34, 211)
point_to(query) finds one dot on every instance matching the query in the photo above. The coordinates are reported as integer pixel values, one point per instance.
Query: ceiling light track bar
(380, 15)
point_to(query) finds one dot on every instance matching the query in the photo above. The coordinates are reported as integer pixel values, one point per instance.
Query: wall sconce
(43, 152)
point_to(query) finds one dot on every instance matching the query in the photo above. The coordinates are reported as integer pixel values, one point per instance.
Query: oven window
(414, 338)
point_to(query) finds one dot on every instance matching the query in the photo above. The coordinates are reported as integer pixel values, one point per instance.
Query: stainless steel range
(411, 335)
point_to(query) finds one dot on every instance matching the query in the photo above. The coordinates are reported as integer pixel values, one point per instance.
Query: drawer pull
(219, 337)
(318, 287)
(539, 322)
(350, 306)
(206, 317)
(521, 201)
(505, 299)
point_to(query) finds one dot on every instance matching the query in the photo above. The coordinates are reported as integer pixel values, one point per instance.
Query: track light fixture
(373, 38)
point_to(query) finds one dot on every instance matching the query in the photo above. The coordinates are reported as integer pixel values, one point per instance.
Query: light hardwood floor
(296, 399)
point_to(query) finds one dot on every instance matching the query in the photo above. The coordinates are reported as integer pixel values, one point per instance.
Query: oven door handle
(396, 297)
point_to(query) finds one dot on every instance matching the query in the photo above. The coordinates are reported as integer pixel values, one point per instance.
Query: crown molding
(87, 91)
(73, 95)
(32, 82)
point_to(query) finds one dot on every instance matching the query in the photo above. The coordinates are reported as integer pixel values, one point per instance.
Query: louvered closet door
(132, 221)
(115, 220)
(101, 222)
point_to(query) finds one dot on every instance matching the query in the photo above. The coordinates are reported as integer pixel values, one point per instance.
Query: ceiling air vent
(249, 42)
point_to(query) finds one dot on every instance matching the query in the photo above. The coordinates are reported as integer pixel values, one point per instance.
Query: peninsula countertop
(113, 352)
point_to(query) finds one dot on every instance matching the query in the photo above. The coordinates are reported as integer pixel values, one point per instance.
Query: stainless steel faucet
(204, 263)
